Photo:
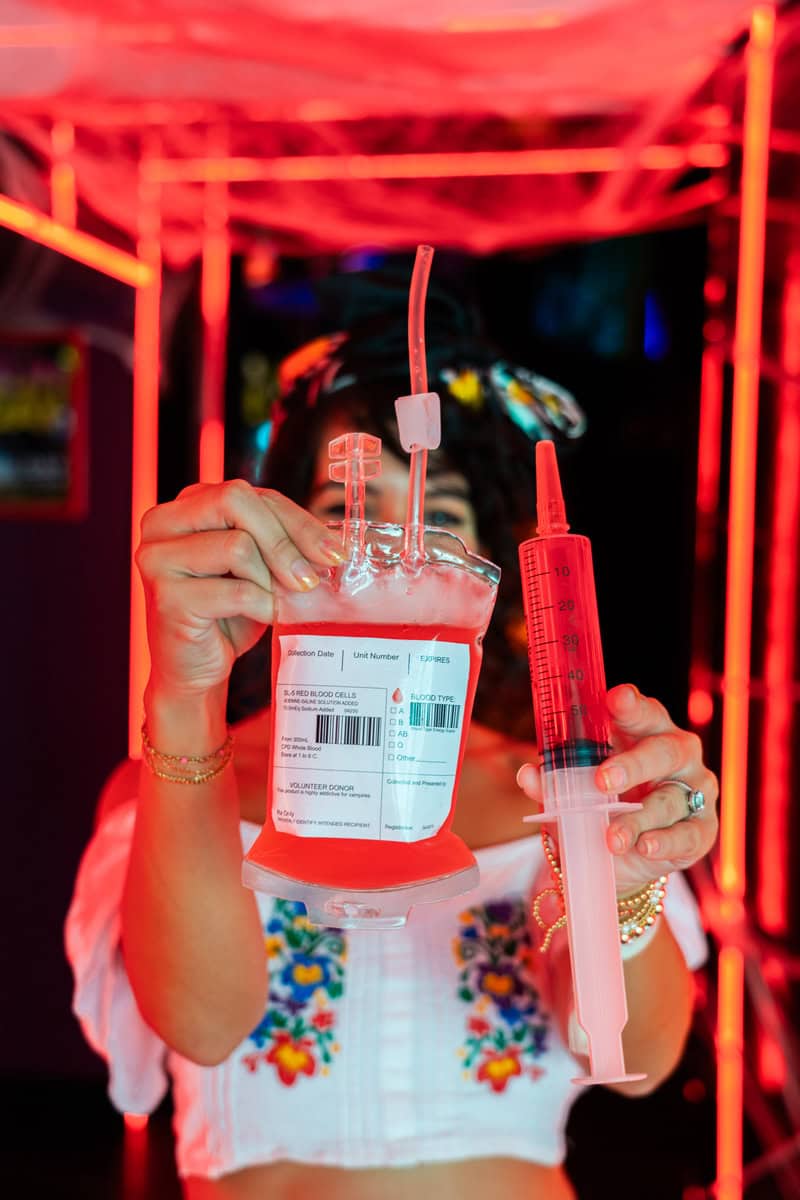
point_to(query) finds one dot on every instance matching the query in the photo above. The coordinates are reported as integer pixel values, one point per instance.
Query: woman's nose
(391, 497)
(392, 509)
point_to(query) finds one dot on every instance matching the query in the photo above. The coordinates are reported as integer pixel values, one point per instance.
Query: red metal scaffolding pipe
(144, 484)
(736, 675)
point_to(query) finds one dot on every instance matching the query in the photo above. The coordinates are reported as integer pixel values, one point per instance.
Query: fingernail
(304, 574)
(648, 845)
(332, 550)
(613, 778)
(526, 778)
(624, 695)
(620, 839)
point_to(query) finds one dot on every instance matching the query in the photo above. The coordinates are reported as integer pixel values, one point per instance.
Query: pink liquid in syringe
(567, 673)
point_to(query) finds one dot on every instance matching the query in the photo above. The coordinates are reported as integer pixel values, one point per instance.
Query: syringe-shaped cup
(355, 458)
(573, 735)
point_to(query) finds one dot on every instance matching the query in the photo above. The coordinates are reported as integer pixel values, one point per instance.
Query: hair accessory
(186, 768)
(310, 358)
(536, 405)
(637, 913)
(464, 386)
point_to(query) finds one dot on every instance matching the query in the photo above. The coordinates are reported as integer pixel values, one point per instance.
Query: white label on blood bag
(367, 735)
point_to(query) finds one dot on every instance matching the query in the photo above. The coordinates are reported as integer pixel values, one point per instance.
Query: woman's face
(447, 503)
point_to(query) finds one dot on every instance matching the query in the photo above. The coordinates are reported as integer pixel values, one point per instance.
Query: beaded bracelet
(186, 768)
(636, 913)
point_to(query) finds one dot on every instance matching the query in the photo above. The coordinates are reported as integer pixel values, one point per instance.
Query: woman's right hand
(207, 562)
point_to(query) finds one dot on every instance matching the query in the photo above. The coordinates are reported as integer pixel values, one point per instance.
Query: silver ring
(695, 799)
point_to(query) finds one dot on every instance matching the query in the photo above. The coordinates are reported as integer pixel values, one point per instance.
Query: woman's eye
(443, 517)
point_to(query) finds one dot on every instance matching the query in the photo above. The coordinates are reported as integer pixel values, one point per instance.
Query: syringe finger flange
(581, 810)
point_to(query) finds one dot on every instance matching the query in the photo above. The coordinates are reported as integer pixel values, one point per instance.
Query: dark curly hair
(358, 376)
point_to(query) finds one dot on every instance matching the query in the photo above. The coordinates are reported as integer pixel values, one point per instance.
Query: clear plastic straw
(414, 549)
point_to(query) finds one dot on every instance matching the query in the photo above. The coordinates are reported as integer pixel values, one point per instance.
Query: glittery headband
(537, 406)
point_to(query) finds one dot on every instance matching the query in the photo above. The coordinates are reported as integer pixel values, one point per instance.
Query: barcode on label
(348, 731)
(433, 716)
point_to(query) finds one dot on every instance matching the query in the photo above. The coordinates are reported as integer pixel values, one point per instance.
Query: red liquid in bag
(369, 863)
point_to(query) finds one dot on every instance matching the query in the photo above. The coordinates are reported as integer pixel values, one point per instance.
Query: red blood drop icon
(397, 696)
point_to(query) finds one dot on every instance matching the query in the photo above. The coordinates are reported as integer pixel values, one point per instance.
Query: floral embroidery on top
(507, 1031)
(297, 1034)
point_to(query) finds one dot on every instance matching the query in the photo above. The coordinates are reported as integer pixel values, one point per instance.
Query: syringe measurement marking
(542, 656)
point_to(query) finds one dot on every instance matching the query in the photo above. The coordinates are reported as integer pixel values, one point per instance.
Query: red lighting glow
(772, 897)
(730, 1091)
(701, 707)
(135, 1156)
(709, 446)
(144, 487)
(741, 515)
(770, 1058)
(81, 33)
(135, 1121)
(214, 296)
(717, 116)
(63, 189)
(770, 1063)
(84, 248)
(714, 289)
(211, 452)
(709, 436)
(502, 22)
(579, 160)
(714, 330)
(747, 343)
(694, 1091)
(260, 265)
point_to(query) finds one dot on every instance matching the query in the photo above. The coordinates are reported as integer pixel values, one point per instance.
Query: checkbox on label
(390, 756)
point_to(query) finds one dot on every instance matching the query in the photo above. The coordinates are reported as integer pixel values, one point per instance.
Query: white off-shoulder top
(427, 1043)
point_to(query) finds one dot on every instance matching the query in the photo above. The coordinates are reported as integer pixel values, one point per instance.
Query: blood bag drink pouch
(373, 679)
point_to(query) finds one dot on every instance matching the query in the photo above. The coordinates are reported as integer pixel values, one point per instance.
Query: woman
(427, 1060)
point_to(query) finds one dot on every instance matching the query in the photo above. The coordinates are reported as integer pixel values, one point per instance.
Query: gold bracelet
(636, 913)
(639, 911)
(186, 768)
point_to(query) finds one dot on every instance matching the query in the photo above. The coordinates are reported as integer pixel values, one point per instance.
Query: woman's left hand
(649, 750)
